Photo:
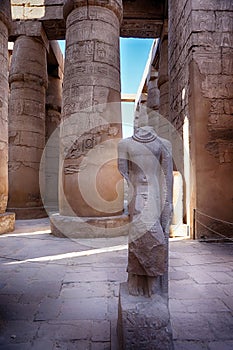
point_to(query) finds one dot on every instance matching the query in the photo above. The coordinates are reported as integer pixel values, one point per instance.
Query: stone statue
(145, 161)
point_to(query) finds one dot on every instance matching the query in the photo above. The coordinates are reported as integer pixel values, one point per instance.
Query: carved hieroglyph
(28, 82)
(145, 161)
(90, 184)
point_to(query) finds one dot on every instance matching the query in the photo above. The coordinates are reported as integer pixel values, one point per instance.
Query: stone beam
(142, 19)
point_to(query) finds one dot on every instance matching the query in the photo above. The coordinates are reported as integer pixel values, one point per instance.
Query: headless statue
(145, 161)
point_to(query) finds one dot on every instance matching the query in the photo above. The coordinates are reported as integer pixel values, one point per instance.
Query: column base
(89, 227)
(29, 213)
(7, 222)
(179, 230)
(143, 323)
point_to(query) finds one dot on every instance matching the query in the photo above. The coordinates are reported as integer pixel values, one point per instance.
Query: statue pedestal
(89, 227)
(143, 323)
(7, 222)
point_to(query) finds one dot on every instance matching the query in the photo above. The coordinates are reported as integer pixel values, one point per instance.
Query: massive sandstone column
(28, 82)
(52, 136)
(6, 219)
(91, 185)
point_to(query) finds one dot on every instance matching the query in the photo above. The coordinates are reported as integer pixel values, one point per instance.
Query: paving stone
(66, 330)
(21, 346)
(197, 305)
(74, 345)
(90, 276)
(178, 275)
(194, 290)
(189, 345)
(101, 331)
(201, 304)
(84, 309)
(221, 345)
(201, 277)
(100, 346)
(191, 326)
(222, 277)
(114, 338)
(39, 344)
(18, 332)
(48, 309)
(228, 301)
(221, 323)
(37, 290)
(85, 290)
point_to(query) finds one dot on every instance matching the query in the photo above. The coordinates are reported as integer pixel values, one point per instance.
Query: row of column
(29, 120)
(6, 219)
(90, 185)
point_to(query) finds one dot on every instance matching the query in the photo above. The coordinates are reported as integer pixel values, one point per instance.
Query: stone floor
(62, 294)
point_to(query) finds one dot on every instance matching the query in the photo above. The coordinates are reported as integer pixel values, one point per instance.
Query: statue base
(143, 322)
(7, 222)
(89, 227)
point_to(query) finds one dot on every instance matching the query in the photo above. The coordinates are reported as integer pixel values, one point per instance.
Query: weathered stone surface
(7, 222)
(200, 70)
(28, 84)
(146, 163)
(143, 323)
(5, 13)
(51, 14)
(77, 227)
(153, 94)
(90, 183)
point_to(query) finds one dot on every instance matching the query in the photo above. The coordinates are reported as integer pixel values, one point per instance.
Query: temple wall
(201, 89)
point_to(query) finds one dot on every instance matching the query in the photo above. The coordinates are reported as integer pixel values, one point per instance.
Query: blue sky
(134, 54)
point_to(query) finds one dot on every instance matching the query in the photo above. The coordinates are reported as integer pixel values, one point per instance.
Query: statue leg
(138, 285)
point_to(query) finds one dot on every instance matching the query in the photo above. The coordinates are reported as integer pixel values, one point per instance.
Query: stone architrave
(28, 83)
(90, 184)
(6, 219)
(145, 161)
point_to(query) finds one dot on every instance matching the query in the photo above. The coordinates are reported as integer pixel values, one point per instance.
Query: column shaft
(28, 81)
(90, 182)
(6, 220)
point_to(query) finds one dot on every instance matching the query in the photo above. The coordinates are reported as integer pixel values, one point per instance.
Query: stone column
(153, 97)
(52, 132)
(28, 82)
(90, 184)
(178, 228)
(6, 219)
(163, 85)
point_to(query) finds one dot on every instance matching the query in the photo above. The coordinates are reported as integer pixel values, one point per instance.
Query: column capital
(19, 71)
(113, 5)
(32, 29)
(5, 12)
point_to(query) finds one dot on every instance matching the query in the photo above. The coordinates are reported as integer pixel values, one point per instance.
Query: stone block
(224, 21)
(143, 323)
(84, 227)
(208, 60)
(227, 61)
(203, 21)
(215, 86)
(7, 222)
(228, 106)
(212, 5)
